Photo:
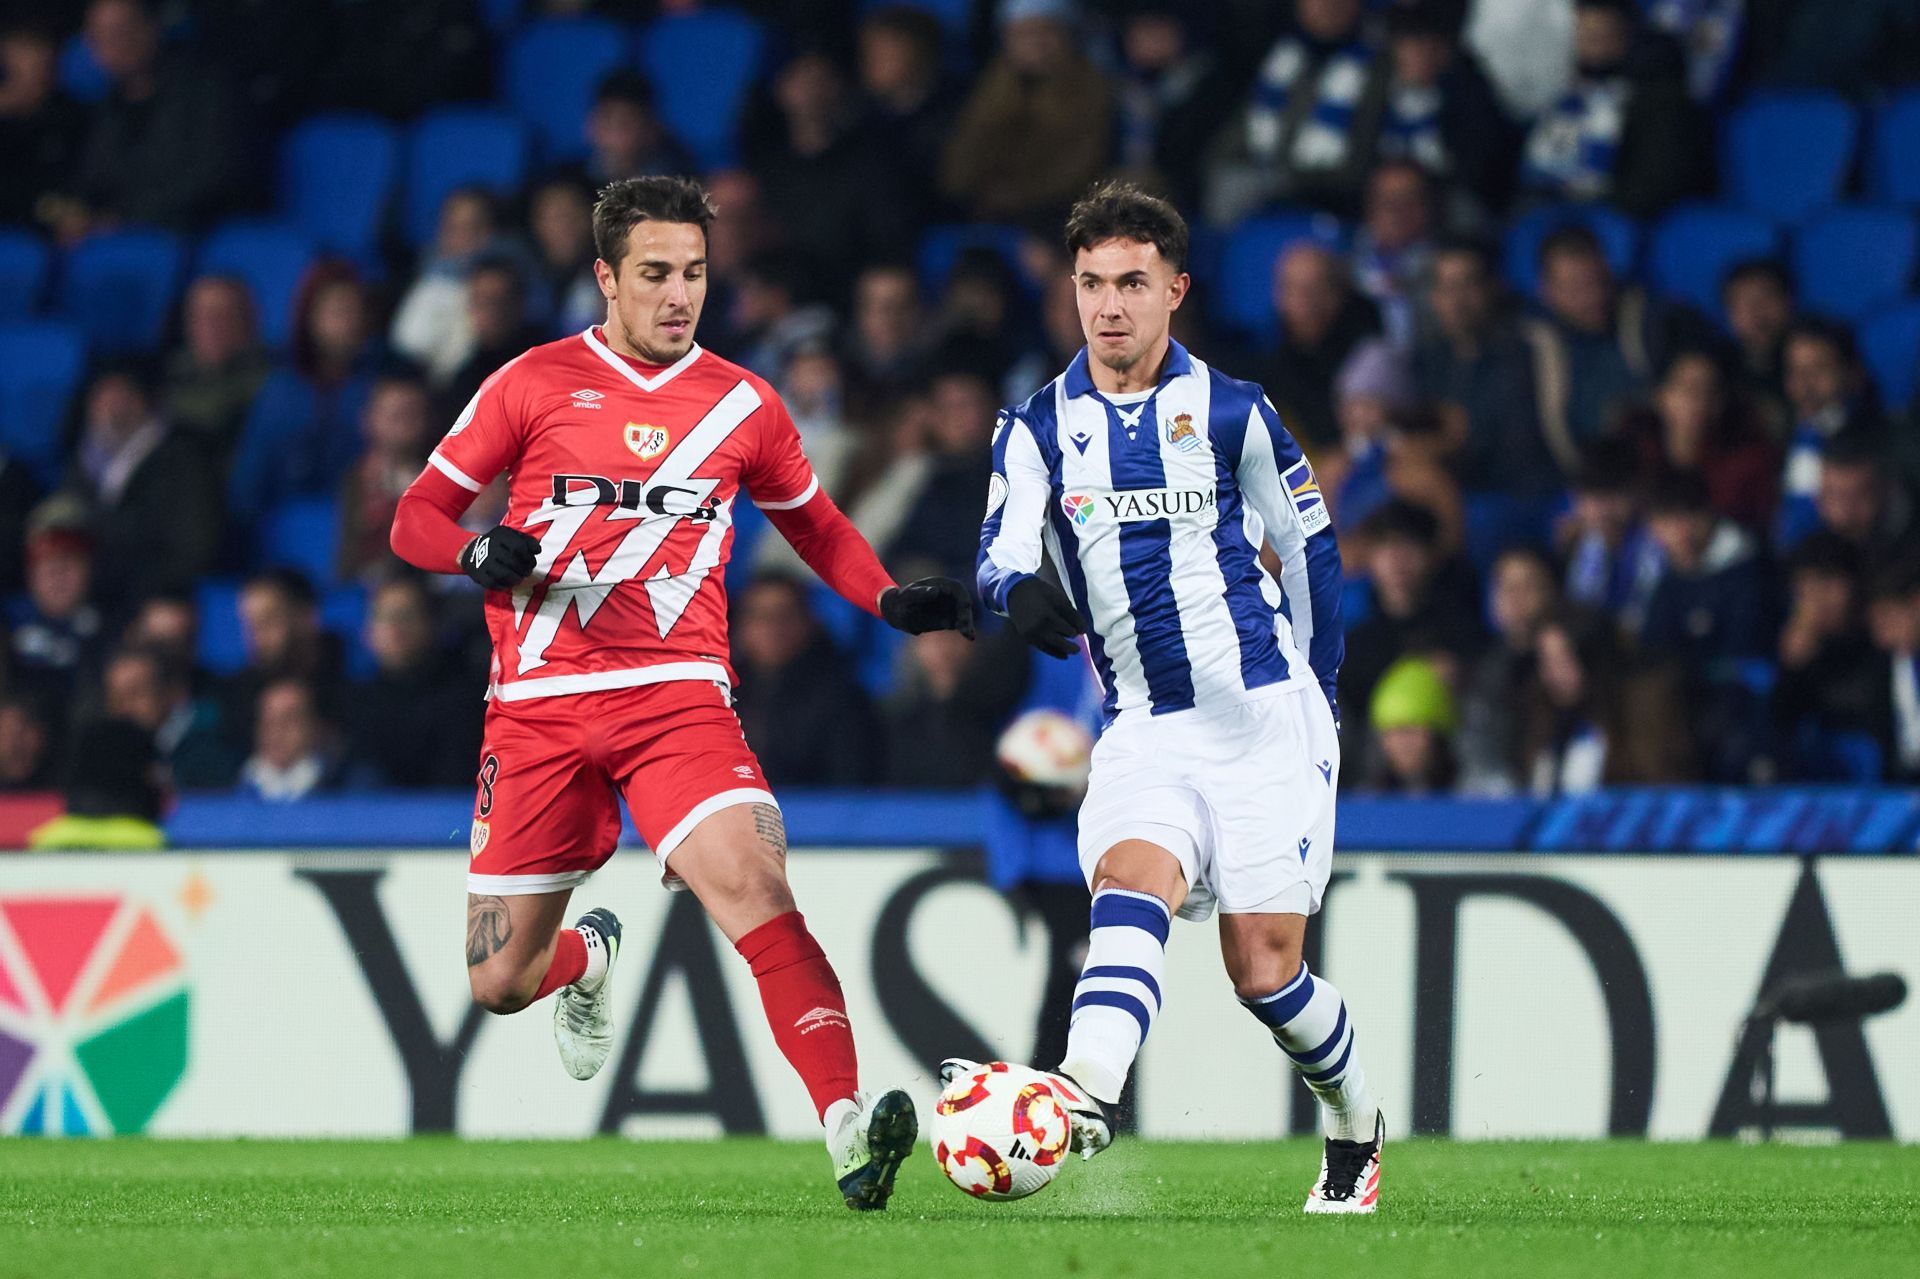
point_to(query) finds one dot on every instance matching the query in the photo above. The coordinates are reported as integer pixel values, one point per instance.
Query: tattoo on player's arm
(768, 824)
(489, 928)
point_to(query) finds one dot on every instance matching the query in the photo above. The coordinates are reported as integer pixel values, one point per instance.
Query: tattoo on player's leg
(768, 824)
(489, 928)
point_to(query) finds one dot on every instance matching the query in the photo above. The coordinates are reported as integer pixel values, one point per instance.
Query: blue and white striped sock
(1308, 1019)
(1119, 992)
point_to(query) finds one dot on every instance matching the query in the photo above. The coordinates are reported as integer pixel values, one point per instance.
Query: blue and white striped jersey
(1153, 508)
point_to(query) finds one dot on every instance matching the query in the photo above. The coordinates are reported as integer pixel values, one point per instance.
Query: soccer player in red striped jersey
(626, 448)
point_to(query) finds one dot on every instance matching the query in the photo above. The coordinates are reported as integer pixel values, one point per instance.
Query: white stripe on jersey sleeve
(793, 503)
(453, 472)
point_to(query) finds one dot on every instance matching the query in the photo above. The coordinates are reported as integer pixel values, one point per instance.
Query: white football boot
(582, 1023)
(1350, 1174)
(1092, 1130)
(870, 1141)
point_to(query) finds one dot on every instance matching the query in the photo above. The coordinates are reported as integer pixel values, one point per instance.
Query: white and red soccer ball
(999, 1132)
(1046, 748)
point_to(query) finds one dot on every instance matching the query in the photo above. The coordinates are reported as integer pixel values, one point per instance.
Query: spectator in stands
(213, 378)
(1592, 347)
(947, 707)
(295, 754)
(153, 502)
(280, 624)
(560, 226)
(150, 689)
(1392, 253)
(1441, 111)
(398, 428)
(41, 127)
(839, 202)
(769, 315)
(56, 628)
(169, 625)
(625, 136)
(432, 325)
(804, 713)
(1172, 95)
(1303, 137)
(1626, 130)
(1413, 719)
(887, 340)
(502, 328)
(1322, 320)
(400, 59)
(1707, 606)
(115, 789)
(1477, 366)
(1417, 606)
(304, 433)
(1757, 295)
(19, 491)
(1828, 392)
(1893, 614)
(1861, 499)
(1061, 336)
(1593, 721)
(981, 319)
(909, 106)
(1393, 447)
(1527, 48)
(26, 744)
(1693, 424)
(813, 388)
(1038, 126)
(166, 147)
(1710, 33)
(416, 721)
(1830, 695)
(941, 530)
(1524, 589)
(1611, 561)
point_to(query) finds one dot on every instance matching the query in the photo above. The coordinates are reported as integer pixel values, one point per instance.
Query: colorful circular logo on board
(1079, 508)
(93, 1015)
(648, 442)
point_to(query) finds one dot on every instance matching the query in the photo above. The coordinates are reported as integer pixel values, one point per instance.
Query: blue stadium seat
(1890, 344)
(941, 247)
(1059, 685)
(24, 263)
(336, 179)
(1243, 294)
(1693, 246)
(501, 15)
(749, 526)
(550, 72)
(1852, 261)
(1895, 160)
(710, 59)
(455, 147)
(343, 610)
(303, 533)
(1788, 154)
(1619, 237)
(272, 258)
(40, 369)
(80, 75)
(223, 646)
(120, 287)
(955, 15)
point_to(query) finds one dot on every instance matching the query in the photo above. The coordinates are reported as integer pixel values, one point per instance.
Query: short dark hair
(628, 202)
(1679, 493)
(291, 583)
(1827, 554)
(1401, 520)
(625, 85)
(1122, 211)
(1855, 451)
(1763, 268)
(1814, 328)
(1896, 580)
(1570, 237)
(1469, 246)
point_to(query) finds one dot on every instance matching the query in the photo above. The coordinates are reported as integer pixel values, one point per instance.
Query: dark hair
(1570, 237)
(1897, 580)
(501, 264)
(1827, 553)
(1607, 466)
(918, 27)
(1624, 8)
(1816, 328)
(628, 202)
(134, 369)
(1473, 246)
(1405, 521)
(1424, 18)
(1679, 493)
(1851, 449)
(1763, 268)
(1122, 211)
(625, 85)
(290, 582)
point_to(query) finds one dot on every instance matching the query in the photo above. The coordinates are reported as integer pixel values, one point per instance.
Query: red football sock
(569, 963)
(804, 1006)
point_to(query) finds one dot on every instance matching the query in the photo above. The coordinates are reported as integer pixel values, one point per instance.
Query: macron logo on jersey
(1136, 506)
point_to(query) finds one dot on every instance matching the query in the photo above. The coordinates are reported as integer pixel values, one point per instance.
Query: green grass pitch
(431, 1207)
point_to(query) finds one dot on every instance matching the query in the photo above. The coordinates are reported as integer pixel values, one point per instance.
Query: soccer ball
(1046, 748)
(999, 1132)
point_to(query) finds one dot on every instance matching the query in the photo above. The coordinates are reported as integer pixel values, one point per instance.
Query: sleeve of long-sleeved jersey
(1017, 495)
(482, 442)
(781, 482)
(1279, 484)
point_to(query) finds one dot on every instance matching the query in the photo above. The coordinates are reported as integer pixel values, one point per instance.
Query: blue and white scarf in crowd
(1710, 32)
(1411, 129)
(1800, 477)
(1321, 140)
(1576, 142)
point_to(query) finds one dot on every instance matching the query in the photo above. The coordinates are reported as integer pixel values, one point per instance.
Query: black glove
(1044, 616)
(930, 604)
(500, 558)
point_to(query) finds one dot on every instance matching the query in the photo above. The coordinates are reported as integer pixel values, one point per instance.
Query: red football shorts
(546, 812)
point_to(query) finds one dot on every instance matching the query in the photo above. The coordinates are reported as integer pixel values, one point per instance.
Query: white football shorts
(1243, 797)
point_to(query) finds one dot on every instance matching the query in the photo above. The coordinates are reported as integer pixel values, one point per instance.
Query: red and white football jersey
(628, 476)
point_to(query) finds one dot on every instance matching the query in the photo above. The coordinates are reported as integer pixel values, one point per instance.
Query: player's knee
(501, 991)
(1258, 975)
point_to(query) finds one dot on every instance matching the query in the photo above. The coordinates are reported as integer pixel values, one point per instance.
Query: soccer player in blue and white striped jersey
(1152, 483)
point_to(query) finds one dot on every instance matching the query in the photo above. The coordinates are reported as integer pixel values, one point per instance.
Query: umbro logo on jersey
(818, 1017)
(1135, 506)
(585, 399)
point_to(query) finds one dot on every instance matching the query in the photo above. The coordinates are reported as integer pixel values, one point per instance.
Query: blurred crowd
(1594, 536)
